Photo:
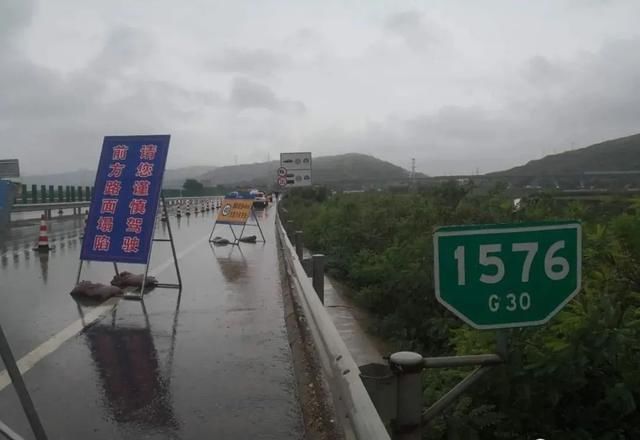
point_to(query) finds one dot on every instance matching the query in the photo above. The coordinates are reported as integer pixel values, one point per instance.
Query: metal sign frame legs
(170, 240)
(255, 217)
(236, 238)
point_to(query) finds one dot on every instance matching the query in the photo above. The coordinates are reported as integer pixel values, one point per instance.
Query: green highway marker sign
(500, 276)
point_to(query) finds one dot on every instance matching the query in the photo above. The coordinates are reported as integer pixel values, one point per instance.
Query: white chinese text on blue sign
(125, 199)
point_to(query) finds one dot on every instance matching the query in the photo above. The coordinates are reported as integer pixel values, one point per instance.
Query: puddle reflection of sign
(127, 363)
(235, 211)
(233, 269)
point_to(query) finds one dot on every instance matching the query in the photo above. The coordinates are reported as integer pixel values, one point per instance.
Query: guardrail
(396, 389)
(358, 415)
(32, 207)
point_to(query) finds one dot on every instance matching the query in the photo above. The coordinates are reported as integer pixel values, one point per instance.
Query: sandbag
(128, 279)
(219, 241)
(249, 239)
(97, 291)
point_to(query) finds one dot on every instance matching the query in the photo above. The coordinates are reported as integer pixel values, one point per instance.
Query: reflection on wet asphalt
(210, 362)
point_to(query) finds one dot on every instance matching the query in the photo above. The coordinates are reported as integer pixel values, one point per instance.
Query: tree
(192, 187)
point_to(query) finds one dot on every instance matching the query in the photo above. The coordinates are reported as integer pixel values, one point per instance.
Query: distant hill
(621, 154)
(176, 177)
(173, 178)
(352, 167)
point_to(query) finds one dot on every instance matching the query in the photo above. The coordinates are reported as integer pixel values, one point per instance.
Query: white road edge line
(28, 361)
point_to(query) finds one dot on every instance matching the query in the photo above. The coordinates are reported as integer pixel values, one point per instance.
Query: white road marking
(156, 270)
(28, 361)
(52, 344)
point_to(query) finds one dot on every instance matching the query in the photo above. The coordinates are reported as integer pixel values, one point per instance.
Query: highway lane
(211, 362)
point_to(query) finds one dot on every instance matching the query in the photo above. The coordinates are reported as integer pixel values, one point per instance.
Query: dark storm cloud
(59, 117)
(542, 72)
(568, 104)
(258, 62)
(417, 32)
(124, 45)
(63, 117)
(442, 84)
(14, 16)
(247, 94)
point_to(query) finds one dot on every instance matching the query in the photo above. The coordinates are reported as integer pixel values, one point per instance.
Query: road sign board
(297, 169)
(295, 161)
(9, 168)
(125, 200)
(235, 211)
(499, 276)
(299, 178)
(282, 181)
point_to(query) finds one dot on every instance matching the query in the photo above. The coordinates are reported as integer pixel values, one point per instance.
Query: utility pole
(413, 171)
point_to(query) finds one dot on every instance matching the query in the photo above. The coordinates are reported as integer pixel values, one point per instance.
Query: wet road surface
(212, 361)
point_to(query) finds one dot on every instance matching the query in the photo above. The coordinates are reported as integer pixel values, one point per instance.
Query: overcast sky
(460, 85)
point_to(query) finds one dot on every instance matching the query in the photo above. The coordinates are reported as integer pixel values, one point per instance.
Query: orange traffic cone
(86, 218)
(43, 238)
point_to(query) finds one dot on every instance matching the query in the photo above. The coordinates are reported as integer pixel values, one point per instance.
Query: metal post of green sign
(34, 193)
(43, 193)
(501, 276)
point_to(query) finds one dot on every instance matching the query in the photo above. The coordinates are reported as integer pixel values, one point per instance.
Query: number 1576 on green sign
(497, 276)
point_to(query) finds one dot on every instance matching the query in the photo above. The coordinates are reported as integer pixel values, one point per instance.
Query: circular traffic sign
(282, 172)
(282, 181)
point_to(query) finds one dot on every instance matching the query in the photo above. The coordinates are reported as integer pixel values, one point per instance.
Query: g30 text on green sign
(499, 276)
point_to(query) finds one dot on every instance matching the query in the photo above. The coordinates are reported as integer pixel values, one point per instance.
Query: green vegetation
(575, 378)
(621, 154)
(192, 187)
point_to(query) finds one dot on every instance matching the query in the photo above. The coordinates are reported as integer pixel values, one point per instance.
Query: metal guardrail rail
(31, 207)
(358, 415)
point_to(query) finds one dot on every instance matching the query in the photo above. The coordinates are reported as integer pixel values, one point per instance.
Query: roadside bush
(575, 378)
